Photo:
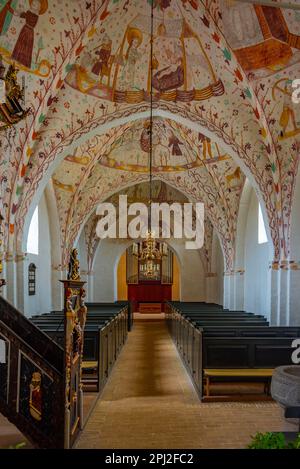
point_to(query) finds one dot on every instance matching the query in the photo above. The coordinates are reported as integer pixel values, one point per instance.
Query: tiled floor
(149, 402)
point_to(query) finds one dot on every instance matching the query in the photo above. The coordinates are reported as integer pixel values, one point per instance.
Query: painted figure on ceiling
(259, 35)
(134, 38)
(174, 143)
(287, 120)
(101, 67)
(206, 145)
(170, 77)
(22, 52)
(243, 18)
(7, 9)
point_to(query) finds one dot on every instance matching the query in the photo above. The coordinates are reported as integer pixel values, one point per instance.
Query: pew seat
(265, 373)
(90, 365)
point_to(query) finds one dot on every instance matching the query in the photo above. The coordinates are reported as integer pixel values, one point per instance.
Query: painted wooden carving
(75, 316)
(35, 399)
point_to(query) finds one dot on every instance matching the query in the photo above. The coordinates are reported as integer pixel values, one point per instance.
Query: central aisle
(150, 402)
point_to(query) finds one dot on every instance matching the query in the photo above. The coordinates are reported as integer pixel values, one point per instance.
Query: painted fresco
(20, 21)
(265, 39)
(223, 66)
(117, 67)
(172, 151)
(105, 164)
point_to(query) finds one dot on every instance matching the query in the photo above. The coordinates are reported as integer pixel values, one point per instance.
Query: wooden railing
(31, 379)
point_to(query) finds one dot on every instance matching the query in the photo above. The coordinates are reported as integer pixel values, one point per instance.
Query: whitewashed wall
(218, 268)
(256, 258)
(41, 301)
(192, 275)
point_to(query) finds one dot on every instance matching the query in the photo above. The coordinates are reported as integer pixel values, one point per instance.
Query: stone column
(234, 290)
(22, 282)
(211, 287)
(11, 279)
(57, 295)
(284, 306)
(285, 293)
(275, 293)
(90, 285)
(227, 289)
(294, 296)
(238, 290)
(2, 275)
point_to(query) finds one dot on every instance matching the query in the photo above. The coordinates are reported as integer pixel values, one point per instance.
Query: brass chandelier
(149, 252)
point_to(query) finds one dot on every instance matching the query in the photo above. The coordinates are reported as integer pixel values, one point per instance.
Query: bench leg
(207, 385)
(267, 389)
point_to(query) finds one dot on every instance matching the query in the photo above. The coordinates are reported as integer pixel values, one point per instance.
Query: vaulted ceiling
(223, 72)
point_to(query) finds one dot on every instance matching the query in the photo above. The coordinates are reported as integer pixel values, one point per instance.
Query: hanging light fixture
(149, 252)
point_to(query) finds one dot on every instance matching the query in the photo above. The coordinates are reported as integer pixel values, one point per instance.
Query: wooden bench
(266, 373)
(223, 343)
(105, 334)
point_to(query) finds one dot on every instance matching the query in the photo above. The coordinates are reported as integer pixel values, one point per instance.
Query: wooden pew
(228, 349)
(105, 334)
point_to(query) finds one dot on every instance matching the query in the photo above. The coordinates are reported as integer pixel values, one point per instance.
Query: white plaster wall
(294, 279)
(82, 253)
(192, 275)
(257, 257)
(105, 265)
(41, 301)
(218, 268)
(192, 278)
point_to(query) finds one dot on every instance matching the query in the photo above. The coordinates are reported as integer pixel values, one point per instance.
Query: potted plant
(276, 440)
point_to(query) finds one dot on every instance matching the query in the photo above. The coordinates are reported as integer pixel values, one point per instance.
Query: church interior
(175, 102)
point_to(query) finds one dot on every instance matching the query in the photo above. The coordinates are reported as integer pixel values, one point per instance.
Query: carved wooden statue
(73, 272)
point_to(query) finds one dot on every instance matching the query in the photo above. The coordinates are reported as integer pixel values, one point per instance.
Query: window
(262, 234)
(33, 234)
(31, 279)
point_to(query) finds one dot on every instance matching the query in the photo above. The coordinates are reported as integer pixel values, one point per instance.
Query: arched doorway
(123, 273)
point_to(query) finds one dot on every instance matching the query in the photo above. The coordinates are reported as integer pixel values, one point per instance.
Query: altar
(148, 293)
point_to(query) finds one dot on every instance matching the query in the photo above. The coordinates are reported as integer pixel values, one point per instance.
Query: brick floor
(149, 402)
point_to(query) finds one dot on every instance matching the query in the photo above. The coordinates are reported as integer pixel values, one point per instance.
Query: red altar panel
(149, 292)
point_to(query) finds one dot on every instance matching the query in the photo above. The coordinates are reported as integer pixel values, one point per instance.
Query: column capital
(59, 267)
(20, 256)
(234, 272)
(285, 264)
(9, 256)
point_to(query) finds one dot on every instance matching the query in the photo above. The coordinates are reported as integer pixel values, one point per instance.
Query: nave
(150, 402)
(149, 164)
